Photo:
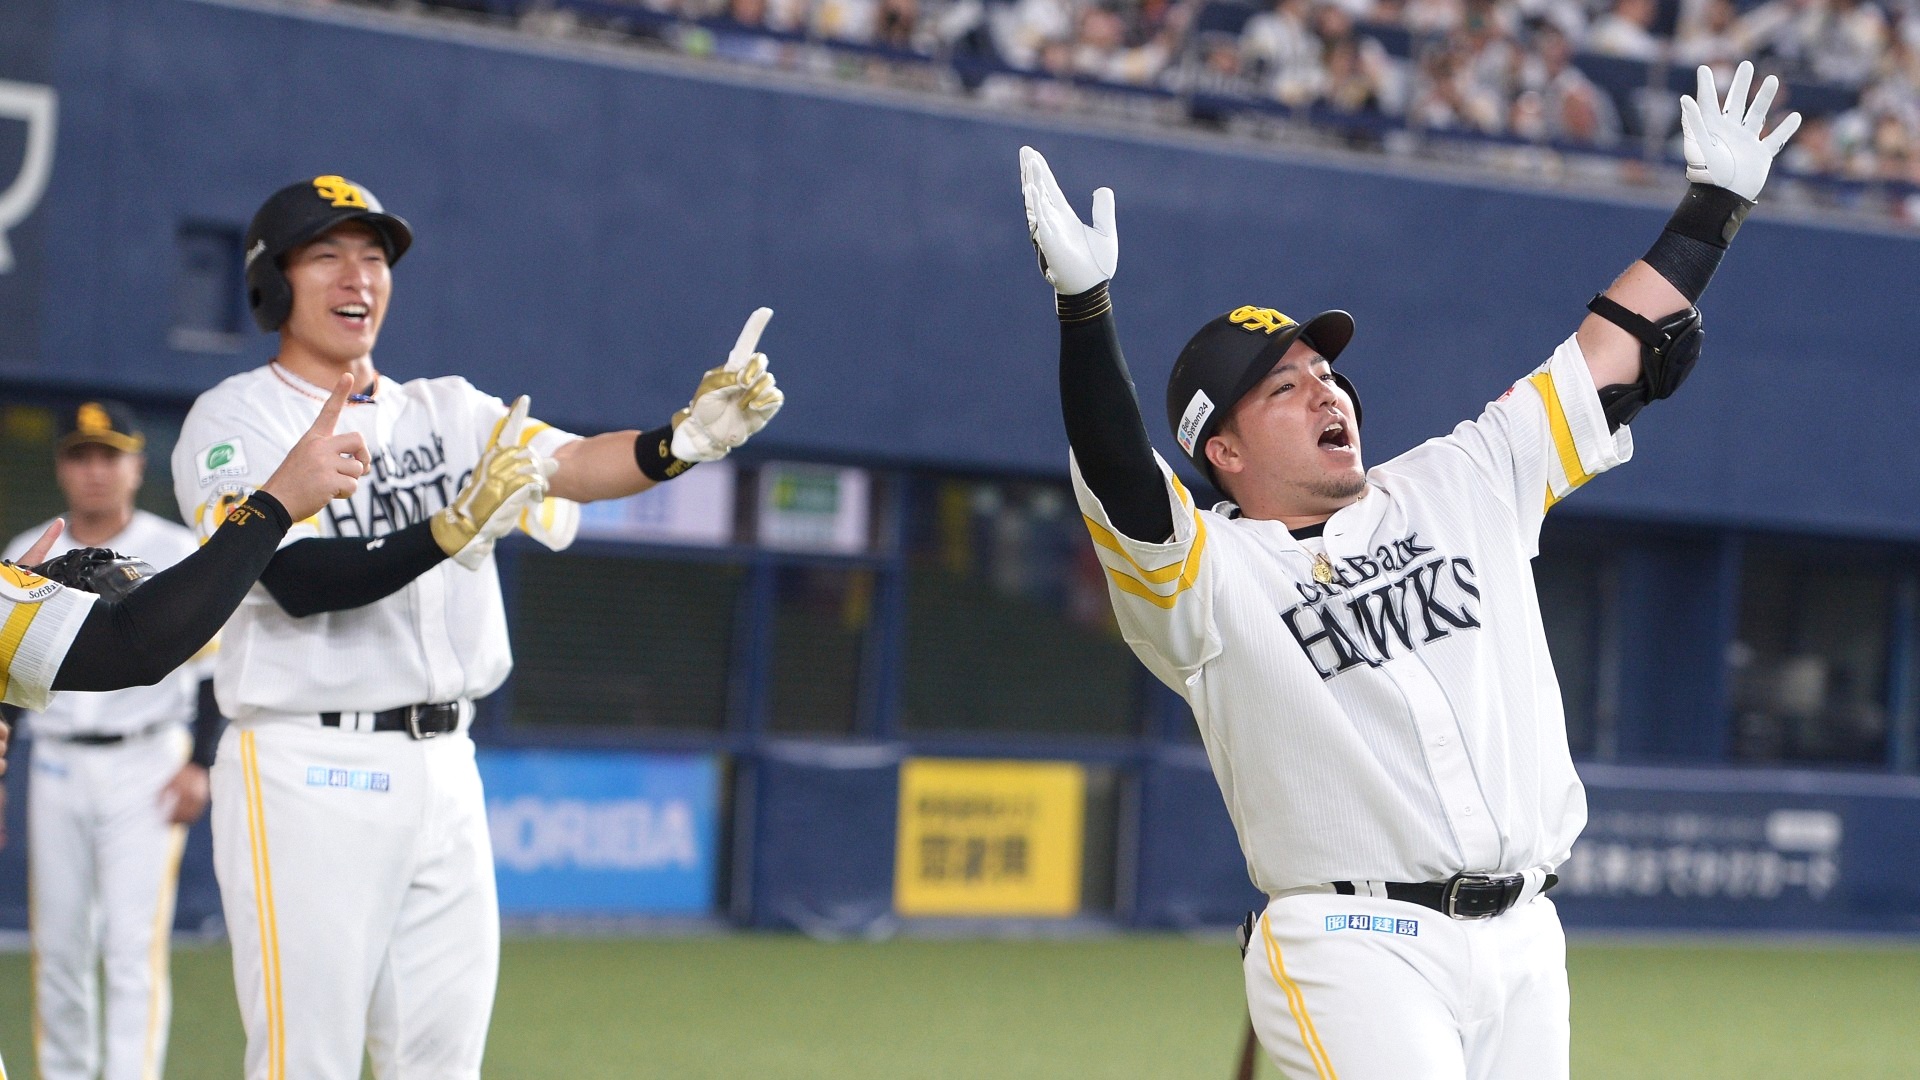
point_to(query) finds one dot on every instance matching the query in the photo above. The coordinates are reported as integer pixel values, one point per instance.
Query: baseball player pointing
(1362, 648)
(350, 833)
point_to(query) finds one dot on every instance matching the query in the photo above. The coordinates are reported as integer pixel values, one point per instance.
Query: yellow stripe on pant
(1296, 1004)
(263, 909)
(158, 972)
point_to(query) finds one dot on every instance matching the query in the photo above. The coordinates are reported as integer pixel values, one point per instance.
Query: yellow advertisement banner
(989, 837)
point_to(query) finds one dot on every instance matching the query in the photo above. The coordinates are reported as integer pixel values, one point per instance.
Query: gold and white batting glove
(553, 521)
(507, 480)
(1723, 144)
(1074, 257)
(732, 401)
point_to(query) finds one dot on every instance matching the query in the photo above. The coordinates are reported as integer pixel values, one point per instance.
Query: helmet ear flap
(269, 294)
(1353, 394)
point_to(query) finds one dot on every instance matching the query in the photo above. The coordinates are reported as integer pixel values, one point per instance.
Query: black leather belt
(418, 721)
(1462, 896)
(112, 738)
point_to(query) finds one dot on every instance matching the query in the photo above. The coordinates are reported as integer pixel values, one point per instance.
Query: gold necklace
(1322, 568)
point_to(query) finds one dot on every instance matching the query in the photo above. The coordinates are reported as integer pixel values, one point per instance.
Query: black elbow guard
(1668, 351)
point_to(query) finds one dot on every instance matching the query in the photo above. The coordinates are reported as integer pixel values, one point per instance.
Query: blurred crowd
(1601, 76)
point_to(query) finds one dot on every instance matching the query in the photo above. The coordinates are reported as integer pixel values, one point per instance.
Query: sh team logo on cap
(1263, 319)
(340, 191)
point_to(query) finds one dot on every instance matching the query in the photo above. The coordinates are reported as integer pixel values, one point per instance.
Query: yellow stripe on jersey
(1139, 584)
(263, 910)
(1562, 438)
(1190, 570)
(1297, 1005)
(12, 633)
(1105, 538)
(534, 428)
(158, 950)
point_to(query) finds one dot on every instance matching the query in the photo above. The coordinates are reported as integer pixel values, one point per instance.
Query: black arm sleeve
(161, 624)
(207, 725)
(1102, 415)
(320, 574)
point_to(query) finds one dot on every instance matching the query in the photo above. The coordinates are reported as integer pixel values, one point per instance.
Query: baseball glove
(109, 574)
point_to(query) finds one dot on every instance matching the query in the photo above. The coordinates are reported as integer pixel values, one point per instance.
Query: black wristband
(1696, 237)
(1709, 214)
(653, 452)
(1081, 307)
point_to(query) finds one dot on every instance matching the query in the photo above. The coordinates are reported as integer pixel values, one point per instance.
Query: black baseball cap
(101, 422)
(1229, 356)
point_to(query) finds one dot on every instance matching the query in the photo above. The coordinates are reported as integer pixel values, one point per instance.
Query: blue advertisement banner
(589, 833)
(1748, 850)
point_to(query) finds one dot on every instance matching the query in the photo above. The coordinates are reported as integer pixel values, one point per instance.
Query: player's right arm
(85, 643)
(1147, 533)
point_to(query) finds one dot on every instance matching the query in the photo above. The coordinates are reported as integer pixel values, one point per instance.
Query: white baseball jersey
(38, 622)
(161, 543)
(1394, 717)
(440, 638)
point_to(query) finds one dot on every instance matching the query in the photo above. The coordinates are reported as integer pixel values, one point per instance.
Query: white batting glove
(1074, 257)
(1723, 145)
(732, 402)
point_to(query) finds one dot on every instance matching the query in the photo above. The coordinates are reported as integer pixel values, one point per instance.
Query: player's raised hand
(37, 554)
(1075, 257)
(321, 466)
(1723, 142)
(732, 402)
(508, 479)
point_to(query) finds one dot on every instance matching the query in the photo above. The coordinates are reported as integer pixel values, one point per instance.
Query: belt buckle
(1450, 900)
(414, 731)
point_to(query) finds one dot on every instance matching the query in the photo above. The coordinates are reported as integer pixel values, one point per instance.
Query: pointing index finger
(330, 412)
(37, 554)
(749, 340)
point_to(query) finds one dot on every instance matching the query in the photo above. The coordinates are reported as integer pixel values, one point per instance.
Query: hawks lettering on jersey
(1341, 625)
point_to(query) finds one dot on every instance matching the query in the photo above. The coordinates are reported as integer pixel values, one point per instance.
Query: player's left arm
(731, 404)
(1643, 335)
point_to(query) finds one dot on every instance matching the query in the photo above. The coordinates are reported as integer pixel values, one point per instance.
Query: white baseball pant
(357, 877)
(103, 872)
(1374, 989)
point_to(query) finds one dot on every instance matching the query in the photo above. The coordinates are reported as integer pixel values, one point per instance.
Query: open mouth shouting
(1335, 437)
(355, 315)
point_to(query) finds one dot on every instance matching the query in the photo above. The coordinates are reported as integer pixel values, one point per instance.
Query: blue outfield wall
(1665, 849)
(812, 844)
(594, 225)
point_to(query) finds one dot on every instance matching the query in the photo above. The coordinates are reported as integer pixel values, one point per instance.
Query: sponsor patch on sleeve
(226, 458)
(23, 586)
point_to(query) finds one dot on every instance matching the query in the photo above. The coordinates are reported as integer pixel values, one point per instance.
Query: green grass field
(743, 1007)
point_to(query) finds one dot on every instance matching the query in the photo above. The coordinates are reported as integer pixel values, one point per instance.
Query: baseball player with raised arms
(350, 832)
(91, 620)
(1362, 649)
(117, 778)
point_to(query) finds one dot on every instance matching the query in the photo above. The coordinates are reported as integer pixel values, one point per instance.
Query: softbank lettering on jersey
(1384, 604)
(408, 485)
